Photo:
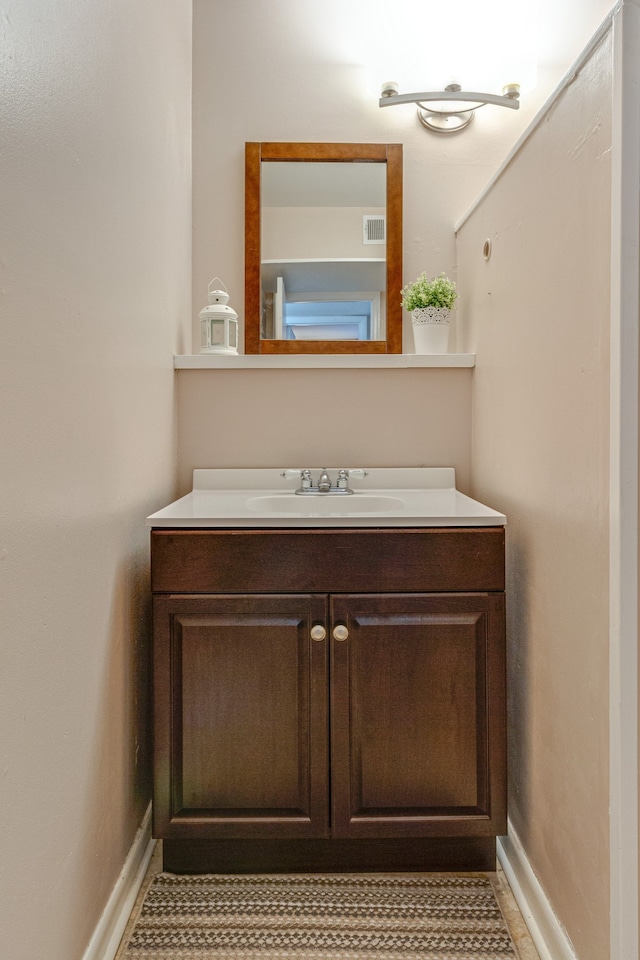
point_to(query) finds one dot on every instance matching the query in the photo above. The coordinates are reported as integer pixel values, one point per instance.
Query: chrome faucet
(324, 486)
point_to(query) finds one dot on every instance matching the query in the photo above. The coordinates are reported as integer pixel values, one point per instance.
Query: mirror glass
(322, 234)
(323, 245)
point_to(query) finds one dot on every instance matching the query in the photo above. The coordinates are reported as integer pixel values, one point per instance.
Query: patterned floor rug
(328, 916)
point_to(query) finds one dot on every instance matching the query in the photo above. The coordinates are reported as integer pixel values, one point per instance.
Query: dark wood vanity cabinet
(329, 699)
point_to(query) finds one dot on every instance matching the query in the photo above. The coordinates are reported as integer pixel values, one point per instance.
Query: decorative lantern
(218, 322)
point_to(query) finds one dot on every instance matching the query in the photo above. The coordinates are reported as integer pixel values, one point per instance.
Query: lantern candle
(218, 322)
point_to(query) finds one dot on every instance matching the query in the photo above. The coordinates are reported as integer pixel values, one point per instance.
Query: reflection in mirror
(323, 245)
(323, 248)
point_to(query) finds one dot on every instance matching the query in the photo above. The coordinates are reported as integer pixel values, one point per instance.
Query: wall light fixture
(449, 110)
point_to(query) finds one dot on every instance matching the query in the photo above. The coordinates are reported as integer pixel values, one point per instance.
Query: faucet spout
(324, 483)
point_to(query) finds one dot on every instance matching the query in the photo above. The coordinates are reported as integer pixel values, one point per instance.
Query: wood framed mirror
(323, 248)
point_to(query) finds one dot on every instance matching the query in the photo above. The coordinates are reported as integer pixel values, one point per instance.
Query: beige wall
(274, 72)
(249, 418)
(537, 316)
(286, 70)
(95, 292)
(268, 72)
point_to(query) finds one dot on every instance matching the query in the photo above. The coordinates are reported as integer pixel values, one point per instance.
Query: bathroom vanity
(329, 680)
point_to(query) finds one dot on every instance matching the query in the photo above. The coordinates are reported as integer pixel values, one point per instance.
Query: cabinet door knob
(340, 632)
(318, 632)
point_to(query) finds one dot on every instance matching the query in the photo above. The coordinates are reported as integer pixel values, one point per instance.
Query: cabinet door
(418, 716)
(240, 693)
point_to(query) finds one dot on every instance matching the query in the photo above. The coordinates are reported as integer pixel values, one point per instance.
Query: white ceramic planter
(431, 329)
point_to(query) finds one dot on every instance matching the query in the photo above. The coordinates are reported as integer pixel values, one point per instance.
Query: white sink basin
(327, 504)
(383, 497)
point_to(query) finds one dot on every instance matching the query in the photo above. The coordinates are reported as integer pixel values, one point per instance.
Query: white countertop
(386, 497)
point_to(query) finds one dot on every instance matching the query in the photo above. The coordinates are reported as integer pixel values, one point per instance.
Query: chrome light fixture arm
(451, 109)
(440, 96)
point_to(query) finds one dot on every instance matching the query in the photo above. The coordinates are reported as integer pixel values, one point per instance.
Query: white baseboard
(107, 935)
(548, 934)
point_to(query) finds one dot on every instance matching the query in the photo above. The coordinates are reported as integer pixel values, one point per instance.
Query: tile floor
(525, 950)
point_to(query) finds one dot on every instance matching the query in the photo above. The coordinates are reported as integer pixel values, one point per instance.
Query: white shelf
(335, 276)
(372, 361)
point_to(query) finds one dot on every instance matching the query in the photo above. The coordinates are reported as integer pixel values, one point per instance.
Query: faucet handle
(293, 473)
(304, 476)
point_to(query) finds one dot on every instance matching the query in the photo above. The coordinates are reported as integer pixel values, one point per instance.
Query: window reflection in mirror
(323, 242)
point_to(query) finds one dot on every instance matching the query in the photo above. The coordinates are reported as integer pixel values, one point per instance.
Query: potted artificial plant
(430, 303)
